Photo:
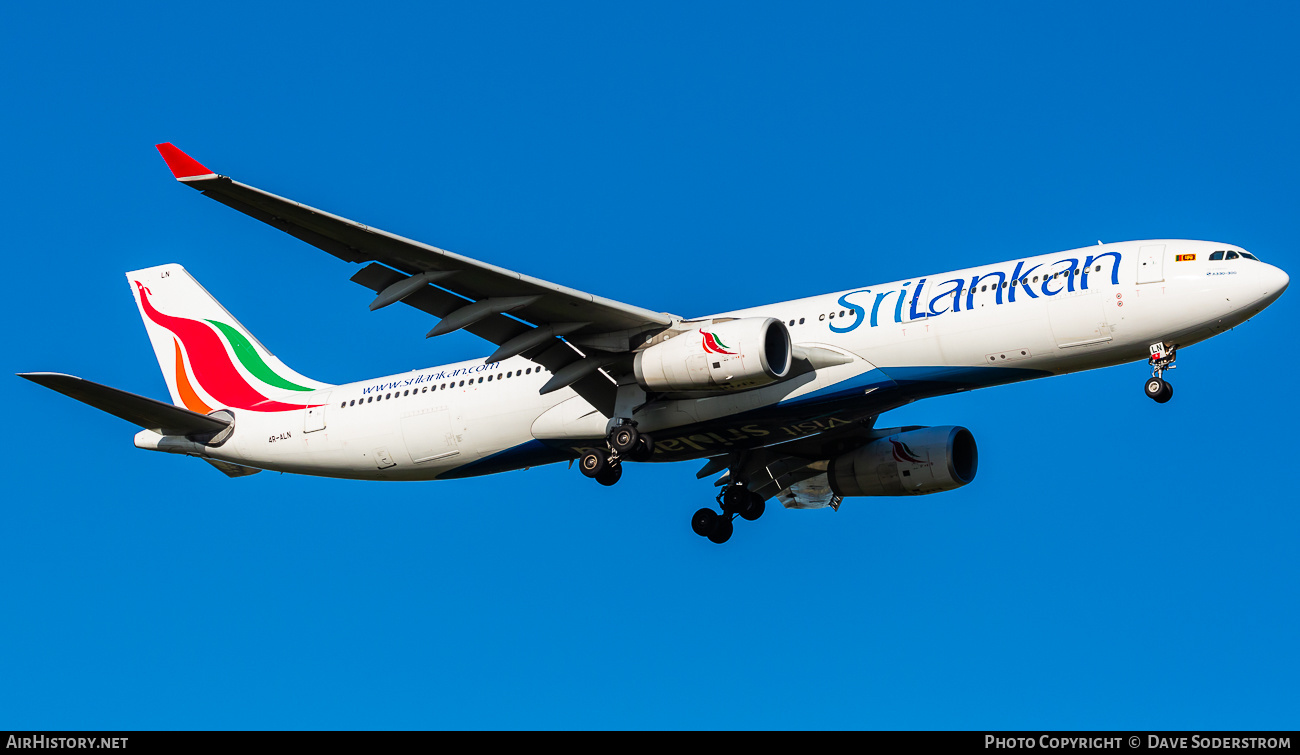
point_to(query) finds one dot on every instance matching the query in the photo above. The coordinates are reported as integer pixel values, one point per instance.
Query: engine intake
(929, 460)
(732, 355)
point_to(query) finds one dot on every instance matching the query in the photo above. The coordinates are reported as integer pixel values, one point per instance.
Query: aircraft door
(429, 435)
(1078, 320)
(315, 415)
(1151, 264)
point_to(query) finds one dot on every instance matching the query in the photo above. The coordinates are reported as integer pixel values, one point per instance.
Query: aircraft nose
(1274, 280)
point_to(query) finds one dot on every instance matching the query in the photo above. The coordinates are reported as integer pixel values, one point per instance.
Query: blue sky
(1117, 564)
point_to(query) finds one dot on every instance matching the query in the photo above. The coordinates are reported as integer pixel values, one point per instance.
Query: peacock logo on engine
(714, 345)
(904, 454)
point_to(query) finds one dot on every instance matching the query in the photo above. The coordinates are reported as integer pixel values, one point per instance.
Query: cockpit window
(1216, 256)
(1250, 256)
(1232, 255)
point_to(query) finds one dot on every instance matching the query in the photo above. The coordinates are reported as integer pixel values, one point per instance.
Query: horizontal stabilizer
(231, 470)
(148, 413)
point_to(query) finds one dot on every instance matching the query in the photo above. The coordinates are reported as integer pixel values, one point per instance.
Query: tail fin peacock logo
(201, 352)
(714, 345)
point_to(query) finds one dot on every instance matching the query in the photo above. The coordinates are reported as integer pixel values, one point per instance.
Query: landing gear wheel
(645, 449)
(734, 499)
(593, 462)
(721, 531)
(753, 507)
(610, 475)
(1159, 390)
(624, 439)
(704, 522)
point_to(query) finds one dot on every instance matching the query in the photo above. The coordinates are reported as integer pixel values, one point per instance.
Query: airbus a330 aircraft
(781, 399)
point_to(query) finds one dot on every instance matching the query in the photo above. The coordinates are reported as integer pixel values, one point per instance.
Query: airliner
(779, 401)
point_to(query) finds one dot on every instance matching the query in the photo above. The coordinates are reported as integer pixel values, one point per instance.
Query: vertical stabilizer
(208, 359)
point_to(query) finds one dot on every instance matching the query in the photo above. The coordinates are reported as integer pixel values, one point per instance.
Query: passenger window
(832, 315)
(1232, 255)
(841, 313)
(489, 378)
(1097, 269)
(801, 321)
(821, 318)
(462, 384)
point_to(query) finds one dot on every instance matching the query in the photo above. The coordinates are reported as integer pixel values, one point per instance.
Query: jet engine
(917, 462)
(729, 355)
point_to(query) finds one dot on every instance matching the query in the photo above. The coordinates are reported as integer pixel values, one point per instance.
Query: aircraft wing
(519, 313)
(794, 472)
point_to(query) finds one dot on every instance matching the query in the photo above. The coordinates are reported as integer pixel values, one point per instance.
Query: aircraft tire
(593, 463)
(734, 499)
(722, 531)
(624, 439)
(754, 507)
(645, 449)
(610, 475)
(1154, 388)
(704, 521)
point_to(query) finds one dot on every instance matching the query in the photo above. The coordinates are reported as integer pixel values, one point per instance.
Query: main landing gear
(1161, 359)
(624, 443)
(735, 500)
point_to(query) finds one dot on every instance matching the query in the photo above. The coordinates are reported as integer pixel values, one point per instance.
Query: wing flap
(551, 353)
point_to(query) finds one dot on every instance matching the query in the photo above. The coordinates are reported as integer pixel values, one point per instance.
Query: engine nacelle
(722, 356)
(929, 460)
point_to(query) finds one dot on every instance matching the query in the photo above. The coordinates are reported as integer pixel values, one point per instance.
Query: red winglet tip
(182, 165)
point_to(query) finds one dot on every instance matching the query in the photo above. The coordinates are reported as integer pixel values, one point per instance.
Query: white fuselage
(897, 342)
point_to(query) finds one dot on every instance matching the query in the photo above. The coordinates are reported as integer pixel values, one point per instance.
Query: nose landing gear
(1161, 359)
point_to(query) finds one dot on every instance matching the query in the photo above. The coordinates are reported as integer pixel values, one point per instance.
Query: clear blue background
(1116, 564)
